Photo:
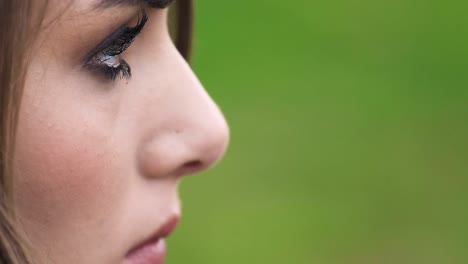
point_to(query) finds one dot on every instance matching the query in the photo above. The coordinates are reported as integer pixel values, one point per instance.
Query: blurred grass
(349, 134)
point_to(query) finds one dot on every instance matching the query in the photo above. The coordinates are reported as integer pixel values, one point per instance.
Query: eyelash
(105, 58)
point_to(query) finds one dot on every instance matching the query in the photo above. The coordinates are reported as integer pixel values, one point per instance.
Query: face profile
(111, 118)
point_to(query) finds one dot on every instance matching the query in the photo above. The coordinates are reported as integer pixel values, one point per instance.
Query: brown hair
(18, 19)
(15, 28)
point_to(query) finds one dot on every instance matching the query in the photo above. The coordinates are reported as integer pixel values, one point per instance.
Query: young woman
(100, 118)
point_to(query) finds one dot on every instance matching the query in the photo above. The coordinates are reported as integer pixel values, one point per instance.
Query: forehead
(90, 5)
(63, 10)
(99, 6)
(102, 4)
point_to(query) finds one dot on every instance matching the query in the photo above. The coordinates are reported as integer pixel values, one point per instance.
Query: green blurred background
(349, 134)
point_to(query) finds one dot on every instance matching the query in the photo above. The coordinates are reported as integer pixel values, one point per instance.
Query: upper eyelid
(143, 3)
(128, 35)
(160, 3)
(107, 42)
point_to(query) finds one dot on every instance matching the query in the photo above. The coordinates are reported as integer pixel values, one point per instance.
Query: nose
(185, 131)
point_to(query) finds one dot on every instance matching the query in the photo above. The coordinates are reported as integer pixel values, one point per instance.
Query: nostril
(193, 164)
(192, 167)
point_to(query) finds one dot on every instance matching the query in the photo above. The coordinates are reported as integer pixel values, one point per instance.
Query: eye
(105, 59)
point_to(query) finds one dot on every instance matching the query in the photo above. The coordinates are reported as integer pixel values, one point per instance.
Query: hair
(18, 20)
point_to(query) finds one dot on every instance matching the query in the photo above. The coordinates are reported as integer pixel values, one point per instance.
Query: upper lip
(164, 231)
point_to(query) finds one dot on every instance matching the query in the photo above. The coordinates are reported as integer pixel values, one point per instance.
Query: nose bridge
(188, 132)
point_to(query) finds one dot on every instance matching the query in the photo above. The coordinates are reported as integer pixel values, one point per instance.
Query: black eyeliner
(104, 44)
(104, 58)
(152, 3)
(159, 3)
(124, 34)
(122, 41)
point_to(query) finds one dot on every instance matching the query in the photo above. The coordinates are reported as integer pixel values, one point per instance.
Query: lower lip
(152, 253)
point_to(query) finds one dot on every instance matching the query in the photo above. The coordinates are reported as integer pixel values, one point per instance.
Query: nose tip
(198, 146)
(208, 149)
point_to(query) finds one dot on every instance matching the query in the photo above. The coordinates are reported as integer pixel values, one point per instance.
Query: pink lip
(153, 249)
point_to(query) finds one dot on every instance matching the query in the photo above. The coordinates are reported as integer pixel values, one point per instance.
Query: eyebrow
(116, 3)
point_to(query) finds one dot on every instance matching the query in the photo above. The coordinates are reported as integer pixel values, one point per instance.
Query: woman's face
(98, 160)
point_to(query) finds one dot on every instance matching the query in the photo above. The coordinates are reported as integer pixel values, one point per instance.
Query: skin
(98, 161)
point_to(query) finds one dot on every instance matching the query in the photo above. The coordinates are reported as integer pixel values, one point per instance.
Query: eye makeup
(152, 3)
(160, 3)
(105, 58)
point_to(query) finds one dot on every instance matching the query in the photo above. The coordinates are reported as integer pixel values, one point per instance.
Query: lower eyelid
(110, 61)
(109, 67)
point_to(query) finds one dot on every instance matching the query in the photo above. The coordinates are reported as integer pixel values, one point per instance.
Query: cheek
(67, 167)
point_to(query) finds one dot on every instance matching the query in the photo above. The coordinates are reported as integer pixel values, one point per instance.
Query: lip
(152, 250)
